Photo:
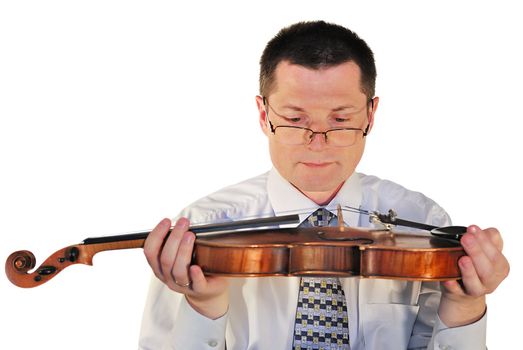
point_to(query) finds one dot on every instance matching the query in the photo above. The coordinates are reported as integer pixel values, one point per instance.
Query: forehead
(340, 82)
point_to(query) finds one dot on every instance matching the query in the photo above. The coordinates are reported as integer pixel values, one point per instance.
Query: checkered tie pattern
(322, 321)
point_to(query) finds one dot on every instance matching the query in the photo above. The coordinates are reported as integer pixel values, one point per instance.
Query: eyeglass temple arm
(271, 127)
(366, 131)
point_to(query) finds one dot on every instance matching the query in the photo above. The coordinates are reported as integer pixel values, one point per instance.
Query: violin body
(332, 251)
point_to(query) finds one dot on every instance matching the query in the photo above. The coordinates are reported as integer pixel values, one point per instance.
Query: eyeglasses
(297, 135)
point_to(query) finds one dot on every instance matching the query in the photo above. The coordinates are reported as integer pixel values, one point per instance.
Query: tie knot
(321, 217)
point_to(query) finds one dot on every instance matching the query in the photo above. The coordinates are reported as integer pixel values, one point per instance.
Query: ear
(262, 114)
(372, 110)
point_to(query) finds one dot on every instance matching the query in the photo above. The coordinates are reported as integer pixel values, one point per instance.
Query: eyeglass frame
(311, 137)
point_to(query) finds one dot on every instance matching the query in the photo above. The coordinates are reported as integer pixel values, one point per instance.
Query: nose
(318, 140)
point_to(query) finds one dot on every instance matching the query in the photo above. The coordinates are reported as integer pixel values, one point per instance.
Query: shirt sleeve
(169, 322)
(195, 331)
(431, 333)
(472, 336)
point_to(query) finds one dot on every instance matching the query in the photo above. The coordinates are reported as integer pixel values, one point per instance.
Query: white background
(115, 114)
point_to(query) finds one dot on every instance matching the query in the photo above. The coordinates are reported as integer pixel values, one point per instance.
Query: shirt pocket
(388, 326)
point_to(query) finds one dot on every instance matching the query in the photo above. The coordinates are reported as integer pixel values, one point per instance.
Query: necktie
(321, 316)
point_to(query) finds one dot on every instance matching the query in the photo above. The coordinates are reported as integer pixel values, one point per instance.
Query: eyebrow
(341, 108)
(299, 109)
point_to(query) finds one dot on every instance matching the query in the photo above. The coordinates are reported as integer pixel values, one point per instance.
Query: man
(316, 106)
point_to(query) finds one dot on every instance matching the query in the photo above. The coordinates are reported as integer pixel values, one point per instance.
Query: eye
(341, 119)
(294, 119)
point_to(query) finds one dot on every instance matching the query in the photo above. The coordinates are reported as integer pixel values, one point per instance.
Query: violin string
(285, 212)
(232, 219)
(356, 210)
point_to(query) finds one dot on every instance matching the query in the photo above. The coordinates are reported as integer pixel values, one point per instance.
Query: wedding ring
(182, 284)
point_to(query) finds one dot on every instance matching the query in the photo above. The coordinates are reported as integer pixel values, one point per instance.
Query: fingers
(471, 281)
(453, 287)
(495, 237)
(481, 251)
(485, 267)
(169, 254)
(184, 247)
(199, 282)
(170, 248)
(154, 243)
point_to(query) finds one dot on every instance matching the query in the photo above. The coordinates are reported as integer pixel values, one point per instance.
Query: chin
(325, 180)
(317, 183)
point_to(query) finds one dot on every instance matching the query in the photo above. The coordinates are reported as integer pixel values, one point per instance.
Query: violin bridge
(341, 222)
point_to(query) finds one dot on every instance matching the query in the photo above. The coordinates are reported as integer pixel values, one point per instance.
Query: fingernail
(464, 263)
(182, 223)
(473, 229)
(188, 237)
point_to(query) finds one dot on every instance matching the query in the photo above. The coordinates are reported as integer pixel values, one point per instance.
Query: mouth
(316, 165)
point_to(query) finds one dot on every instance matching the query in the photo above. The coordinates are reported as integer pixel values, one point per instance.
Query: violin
(242, 249)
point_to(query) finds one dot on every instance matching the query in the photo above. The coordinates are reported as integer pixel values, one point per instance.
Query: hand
(170, 260)
(482, 270)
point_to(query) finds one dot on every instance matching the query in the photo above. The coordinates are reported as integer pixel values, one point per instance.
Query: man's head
(316, 78)
(317, 45)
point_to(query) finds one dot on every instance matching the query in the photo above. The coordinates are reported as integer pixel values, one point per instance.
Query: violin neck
(205, 230)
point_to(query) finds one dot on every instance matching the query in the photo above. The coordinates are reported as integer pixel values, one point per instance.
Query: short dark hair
(317, 45)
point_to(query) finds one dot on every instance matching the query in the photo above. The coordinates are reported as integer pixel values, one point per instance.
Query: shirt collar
(285, 199)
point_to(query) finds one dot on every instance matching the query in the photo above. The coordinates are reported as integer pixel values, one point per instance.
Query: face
(319, 100)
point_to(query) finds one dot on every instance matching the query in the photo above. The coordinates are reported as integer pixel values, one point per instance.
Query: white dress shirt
(383, 314)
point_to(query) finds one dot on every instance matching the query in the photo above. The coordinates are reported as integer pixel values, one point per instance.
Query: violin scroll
(19, 263)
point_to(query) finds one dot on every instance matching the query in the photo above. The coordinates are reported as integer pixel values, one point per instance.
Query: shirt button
(445, 347)
(212, 343)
